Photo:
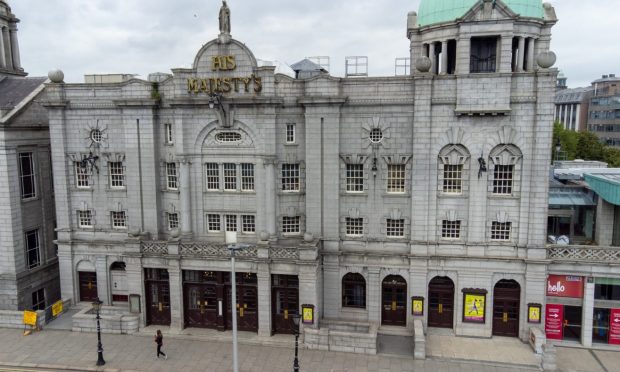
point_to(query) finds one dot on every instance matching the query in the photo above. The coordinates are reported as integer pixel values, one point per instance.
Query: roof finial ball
(56, 76)
(423, 64)
(546, 59)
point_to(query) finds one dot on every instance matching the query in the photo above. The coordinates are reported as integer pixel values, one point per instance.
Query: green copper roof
(607, 186)
(438, 11)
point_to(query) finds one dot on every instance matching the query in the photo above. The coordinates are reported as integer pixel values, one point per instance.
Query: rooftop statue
(224, 18)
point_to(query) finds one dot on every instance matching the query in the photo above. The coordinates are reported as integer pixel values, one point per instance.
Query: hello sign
(565, 286)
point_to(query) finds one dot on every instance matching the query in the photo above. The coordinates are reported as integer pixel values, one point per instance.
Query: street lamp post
(296, 331)
(233, 247)
(97, 306)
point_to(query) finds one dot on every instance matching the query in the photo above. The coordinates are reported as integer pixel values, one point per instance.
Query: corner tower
(10, 62)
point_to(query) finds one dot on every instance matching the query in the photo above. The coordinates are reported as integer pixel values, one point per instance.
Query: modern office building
(376, 201)
(29, 277)
(571, 108)
(604, 109)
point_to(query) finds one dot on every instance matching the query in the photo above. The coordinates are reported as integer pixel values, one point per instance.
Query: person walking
(159, 340)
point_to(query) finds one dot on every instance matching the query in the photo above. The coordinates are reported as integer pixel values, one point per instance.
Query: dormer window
(483, 54)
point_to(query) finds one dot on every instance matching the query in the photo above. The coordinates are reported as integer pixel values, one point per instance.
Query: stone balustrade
(583, 253)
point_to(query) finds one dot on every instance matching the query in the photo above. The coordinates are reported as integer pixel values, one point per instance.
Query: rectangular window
(247, 177)
(500, 231)
(483, 54)
(502, 179)
(213, 176)
(396, 228)
(26, 175)
(290, 225)
(119, 220)
(230, 177)
(450, 229)
(82, 176)
(290, 133)
(117, 175)
(290, 177)
(168, 134)
(248, 224)
(213, 222)
(231, 222)
(354, 226)
(38, 300)
(173, 221)
(355, 177)
(32, 248)
(172, 179)
(396, 178)
(452, 179)
(85, 219)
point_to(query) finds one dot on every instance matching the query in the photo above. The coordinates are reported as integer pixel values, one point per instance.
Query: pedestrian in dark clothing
(159, 340)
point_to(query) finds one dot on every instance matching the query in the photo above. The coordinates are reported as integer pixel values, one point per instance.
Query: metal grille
(396, 178)
(213, 222)
(355, 177)
(231, 222)
(230, 176)
(354, 226)
(172, 180)
(451, 229)
(502, 179)
(173, 221)
(117, 174)
(228, 137)
(452, 179)
(248, 224)
(213, 176)
(396, 228)
(290, 177)
(290, 225)
(96, 135)
(247, 177)
(376, 135)
(82, 176)
(85, 218)
(119, 220)
(290, 133)
(500, 231)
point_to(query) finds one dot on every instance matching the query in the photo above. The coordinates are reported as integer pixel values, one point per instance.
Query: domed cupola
(440, 11)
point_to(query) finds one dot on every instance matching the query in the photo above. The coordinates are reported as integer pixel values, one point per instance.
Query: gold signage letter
(192, 85)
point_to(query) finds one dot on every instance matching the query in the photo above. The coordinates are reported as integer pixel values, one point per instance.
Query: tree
(568, 141)
(589, 147)
(612, 156)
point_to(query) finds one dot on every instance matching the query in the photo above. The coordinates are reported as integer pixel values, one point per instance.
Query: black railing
(478, 65)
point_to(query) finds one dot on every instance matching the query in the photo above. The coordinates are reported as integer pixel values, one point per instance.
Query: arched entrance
(394, 301)
(87, 281)
(506, 304)
(441, 302)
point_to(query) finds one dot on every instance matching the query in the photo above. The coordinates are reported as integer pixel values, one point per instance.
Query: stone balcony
(584, 253)
(264, 250)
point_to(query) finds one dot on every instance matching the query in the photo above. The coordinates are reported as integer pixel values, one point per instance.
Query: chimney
(604, 76)
(612, 75)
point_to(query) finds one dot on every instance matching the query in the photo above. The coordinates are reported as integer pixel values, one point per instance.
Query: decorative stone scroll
(155, 247)
(583, 253)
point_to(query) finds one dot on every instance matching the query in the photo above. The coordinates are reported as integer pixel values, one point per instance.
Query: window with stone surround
(33, 253)
(38, 299)
(500, 231)
(354, 291)
(451, 229)
(213, 223)
(483, 57)
(452, 173)
(119, 220)
(117, 174)
(85, 219)
(290, 177)
(355, 177)
(395, 228)
(354, 226)
(290, 225)
(505, 169)
(213, 176)
(230, 177)
(396, 178)
(172, 220)
(82, 176)
(247, 177)
(168, 134)
(27, 175)
(172, 178)
(248, 224)
(502, 179)
(231, 222)
(290, 133)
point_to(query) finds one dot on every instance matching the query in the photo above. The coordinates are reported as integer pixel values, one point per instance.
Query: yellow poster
(418, 307)
(474, 308)
(534, 314)
(308, 315)
(56, 308)
(30, 318)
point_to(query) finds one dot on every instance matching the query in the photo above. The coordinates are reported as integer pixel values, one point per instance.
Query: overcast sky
(143, 36)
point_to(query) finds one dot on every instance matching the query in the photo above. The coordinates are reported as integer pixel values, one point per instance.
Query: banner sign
(57, 308)
(307, 312)
(554, 319)
(417, 306)
(533, 313)
(565, 286)
(30, 318)
(614, 327)
(473, 311)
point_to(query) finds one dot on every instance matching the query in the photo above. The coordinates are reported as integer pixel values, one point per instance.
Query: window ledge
(396, 195)
(350, 193)
(29, 200)
(82, 189)
(443, 195)
(116, 189)
(506, 197)
(171, 191)
(291, 144)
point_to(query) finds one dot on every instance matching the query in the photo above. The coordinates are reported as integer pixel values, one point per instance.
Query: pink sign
(553, 322)
(565, 286)
(614, 327)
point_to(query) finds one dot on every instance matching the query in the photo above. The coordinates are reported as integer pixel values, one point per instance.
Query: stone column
(587, 313)
(68, 289)
(186, 199)
(8, 56)
(531, 54)
(2, 54)
(521, 57)
(264, 300)
(432, 56)
(444, 57)
(373, 288)
(270, 196)
(176, 296)
(101, 267)
(15, 47)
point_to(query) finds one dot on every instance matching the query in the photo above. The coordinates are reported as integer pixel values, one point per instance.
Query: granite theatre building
(376, 200)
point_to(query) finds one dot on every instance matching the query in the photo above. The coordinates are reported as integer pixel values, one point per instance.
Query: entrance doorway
(200, 292)
(247, 302)
(157, 289)
(441, 302)
(506, 304)
(394, 301)
(284, 302)
(88, 285)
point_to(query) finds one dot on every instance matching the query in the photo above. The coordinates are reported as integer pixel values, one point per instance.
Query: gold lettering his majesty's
(223, 63)
(225, 85)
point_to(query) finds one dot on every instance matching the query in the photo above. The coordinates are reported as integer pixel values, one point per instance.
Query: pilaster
(264, 300)
(587, 313)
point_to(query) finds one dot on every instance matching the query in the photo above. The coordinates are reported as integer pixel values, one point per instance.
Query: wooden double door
(284, 302)
(506, 304)
(157, 289)
(394, 301)
(441, 302)
(88, 285)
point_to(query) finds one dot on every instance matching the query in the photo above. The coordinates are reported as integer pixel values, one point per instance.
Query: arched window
(506, 170)
(453, 172)
(354, 291)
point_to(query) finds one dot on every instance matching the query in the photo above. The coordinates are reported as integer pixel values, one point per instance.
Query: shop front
(564, 312)
(606, 314)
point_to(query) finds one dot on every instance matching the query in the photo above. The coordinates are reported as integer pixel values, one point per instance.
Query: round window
(96, 135)
(228, 137)
(376, 135)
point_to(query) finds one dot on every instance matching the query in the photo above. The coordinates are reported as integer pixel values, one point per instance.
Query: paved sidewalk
(77, 351)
